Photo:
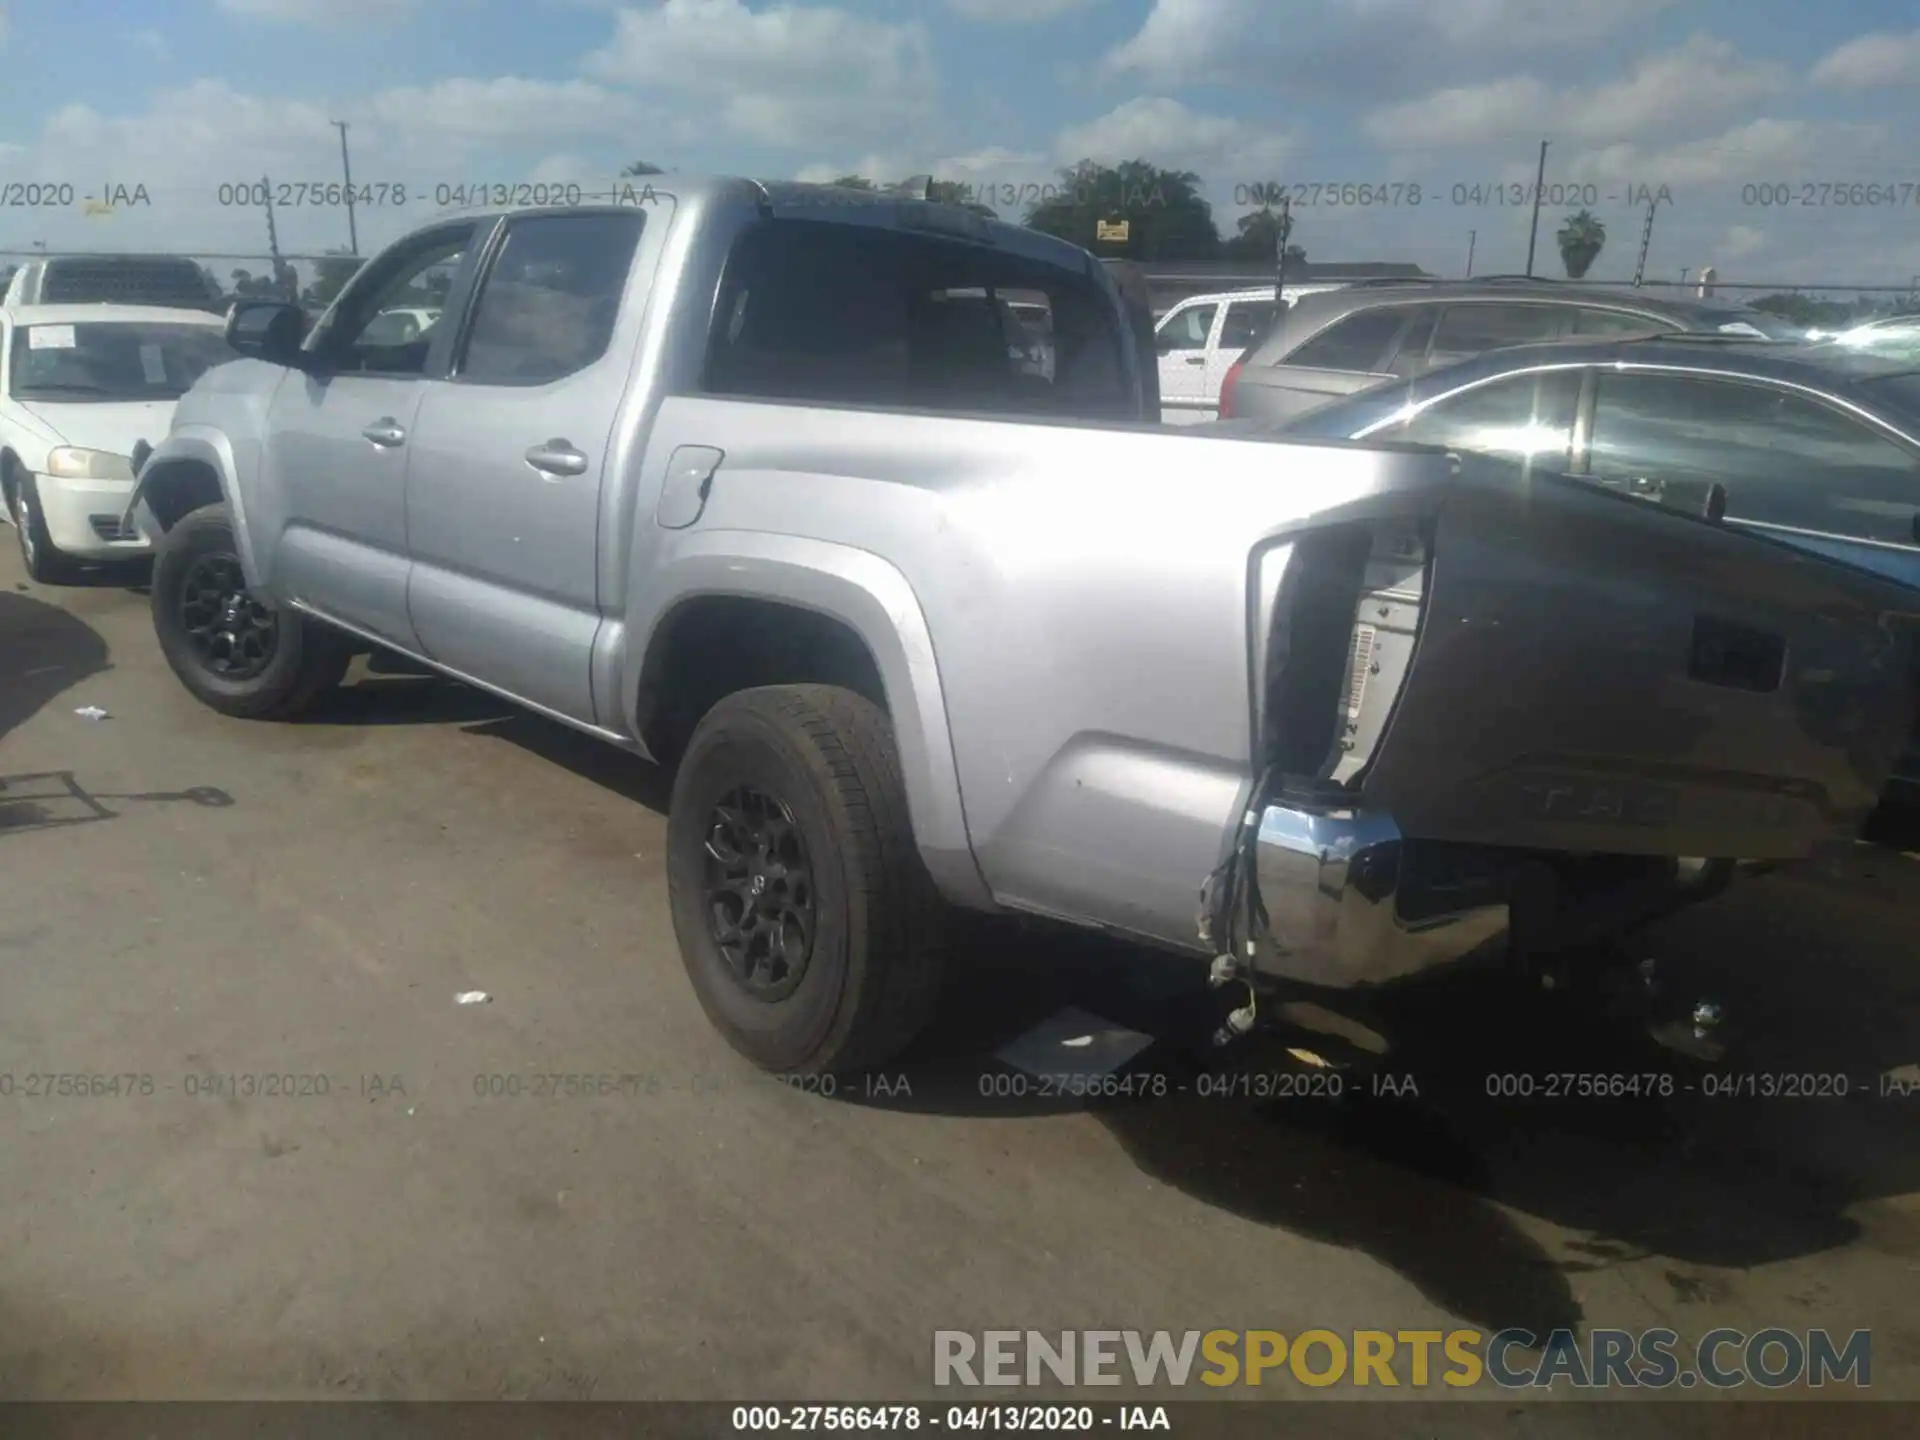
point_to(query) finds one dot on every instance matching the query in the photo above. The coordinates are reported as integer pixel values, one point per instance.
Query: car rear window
(859, 315)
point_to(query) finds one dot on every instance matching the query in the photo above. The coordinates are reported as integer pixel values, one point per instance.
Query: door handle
(1196, 359)
(385, 432)
(557, 457)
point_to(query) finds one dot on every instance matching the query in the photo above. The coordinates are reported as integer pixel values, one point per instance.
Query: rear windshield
(860, 315)
(104, 360)
(126, 282)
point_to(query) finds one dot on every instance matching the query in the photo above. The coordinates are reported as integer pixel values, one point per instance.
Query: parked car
(1893, 336)
(1329, 346)
(722, 482)
(1199, 338)
(170, 281)
(79, 385)
(1815, 446)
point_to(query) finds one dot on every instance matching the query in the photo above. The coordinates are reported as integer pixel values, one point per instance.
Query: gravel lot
(189, 896)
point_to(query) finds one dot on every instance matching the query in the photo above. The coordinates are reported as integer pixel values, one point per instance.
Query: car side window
(1246, 325)
(360, 338)
(1589, 321)
(1526, 418)
(548, 302)
(1410, 355)
(1359, 342)
(1785, 458)
(1186, 330)
(858, 315)
(1473, 329)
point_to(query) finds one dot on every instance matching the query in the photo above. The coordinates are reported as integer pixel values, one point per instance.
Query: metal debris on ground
(473, 997)
(91, 712)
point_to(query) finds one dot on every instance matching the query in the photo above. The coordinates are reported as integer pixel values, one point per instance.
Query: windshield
(112, 360)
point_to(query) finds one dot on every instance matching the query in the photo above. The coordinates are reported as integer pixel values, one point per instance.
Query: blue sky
(1705, 98)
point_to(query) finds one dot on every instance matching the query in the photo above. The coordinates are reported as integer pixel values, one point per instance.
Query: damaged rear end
(1530, 715)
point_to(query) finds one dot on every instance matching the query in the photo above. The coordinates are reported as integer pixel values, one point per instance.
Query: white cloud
(786, 75)
(1353, 41)
(1169, 134)
(466, 111)
(1739, 242)
(1874, 60)
(331, 13)
(1015, 12)
(1685, 89)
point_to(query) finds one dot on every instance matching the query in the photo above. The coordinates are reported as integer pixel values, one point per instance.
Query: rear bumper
(1345, 908)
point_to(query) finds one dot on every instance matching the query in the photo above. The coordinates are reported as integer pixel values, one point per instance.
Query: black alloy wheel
(232, 633)
(759, 892)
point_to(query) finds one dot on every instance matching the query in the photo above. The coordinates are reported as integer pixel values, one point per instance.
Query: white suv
(1198, 340)
(80, 386)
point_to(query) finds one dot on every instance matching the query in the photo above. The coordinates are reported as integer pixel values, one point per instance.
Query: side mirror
(269, 330)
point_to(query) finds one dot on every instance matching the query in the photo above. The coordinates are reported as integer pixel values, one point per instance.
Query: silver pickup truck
(749, 479)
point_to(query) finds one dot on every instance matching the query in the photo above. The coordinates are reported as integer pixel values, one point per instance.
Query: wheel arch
(190, 469)
(744, 610)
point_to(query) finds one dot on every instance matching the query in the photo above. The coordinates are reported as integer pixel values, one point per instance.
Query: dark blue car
(1816, 446)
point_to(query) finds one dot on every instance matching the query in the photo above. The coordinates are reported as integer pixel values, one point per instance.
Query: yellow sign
(1115, 230)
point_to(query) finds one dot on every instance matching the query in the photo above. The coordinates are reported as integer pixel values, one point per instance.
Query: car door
(506, 465)
(337, 445)
(1182, 338)
(1793, 466)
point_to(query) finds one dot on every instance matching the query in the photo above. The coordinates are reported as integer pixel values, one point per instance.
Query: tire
(44, 562)
(302, 660)
(868, 983)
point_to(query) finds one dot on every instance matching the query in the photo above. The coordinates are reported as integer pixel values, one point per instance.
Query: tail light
(1228, 384)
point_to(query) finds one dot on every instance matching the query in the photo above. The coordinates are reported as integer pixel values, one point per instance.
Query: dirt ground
(188, 897)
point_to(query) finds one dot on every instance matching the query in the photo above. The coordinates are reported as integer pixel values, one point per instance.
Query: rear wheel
(236, 652)
(44, 561)
(811, 931)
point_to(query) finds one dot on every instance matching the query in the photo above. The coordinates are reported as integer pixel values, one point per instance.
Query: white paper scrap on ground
(473, 997)
(91, 712)
(1073, 1042)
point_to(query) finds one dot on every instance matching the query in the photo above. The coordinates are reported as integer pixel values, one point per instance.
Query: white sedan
(80, 386)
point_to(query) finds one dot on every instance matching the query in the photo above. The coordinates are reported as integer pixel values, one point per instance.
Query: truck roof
(803, 200)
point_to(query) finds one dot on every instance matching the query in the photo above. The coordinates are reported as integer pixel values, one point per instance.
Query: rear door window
(861, 315)
(1246, 325)
(1359, 342)
(1473, 329)
(1600, 323)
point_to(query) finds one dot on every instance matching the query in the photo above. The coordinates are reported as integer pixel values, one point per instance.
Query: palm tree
(1581, 240)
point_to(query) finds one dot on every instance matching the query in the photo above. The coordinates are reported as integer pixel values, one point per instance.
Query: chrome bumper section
(1336, 890)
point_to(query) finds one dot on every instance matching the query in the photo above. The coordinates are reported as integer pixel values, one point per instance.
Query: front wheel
(44, 562)
(813, 936)
(237, 653)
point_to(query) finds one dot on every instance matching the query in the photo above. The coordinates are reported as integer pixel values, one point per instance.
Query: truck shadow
(1476, 1123)
(46, 650)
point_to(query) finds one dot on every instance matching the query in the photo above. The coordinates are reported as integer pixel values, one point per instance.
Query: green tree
(1257, 240)
(330, 276)
(1167, 218)
(1581, 239)
(854, 182)
(642, 167)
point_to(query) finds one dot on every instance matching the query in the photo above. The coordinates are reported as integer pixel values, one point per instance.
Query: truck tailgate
(1594, 673)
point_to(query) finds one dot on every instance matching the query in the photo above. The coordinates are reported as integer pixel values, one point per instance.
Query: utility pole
(1539, 184)
(1646, 239)
(1282, 232)
(273, 235)
(1473, 237)
(346, 169)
